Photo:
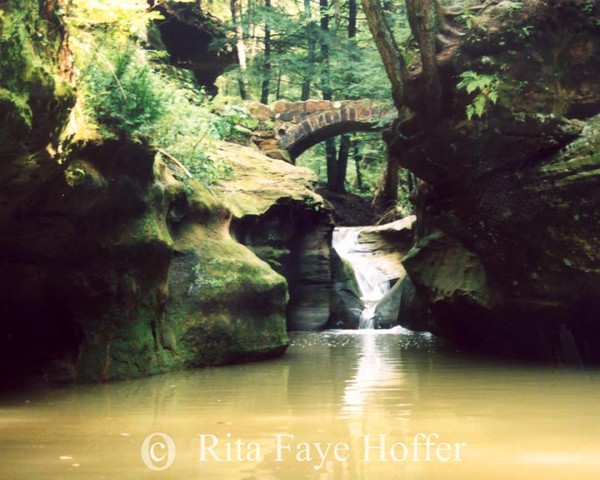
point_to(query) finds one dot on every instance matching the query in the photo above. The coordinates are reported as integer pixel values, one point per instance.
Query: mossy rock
(34, 101)
(225, 305)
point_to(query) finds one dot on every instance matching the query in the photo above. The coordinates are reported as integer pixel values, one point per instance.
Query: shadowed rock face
(187, 34)
(117, 271)
(515, 191)
(295, 241)
(111, 266)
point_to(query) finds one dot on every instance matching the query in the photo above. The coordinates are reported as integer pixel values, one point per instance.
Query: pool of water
(358, 405)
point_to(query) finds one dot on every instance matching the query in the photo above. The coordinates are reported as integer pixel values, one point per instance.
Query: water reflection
(377, 372)
(335, 387)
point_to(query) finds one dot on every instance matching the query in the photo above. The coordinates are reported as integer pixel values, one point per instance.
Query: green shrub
(127, 90)
(122, 94)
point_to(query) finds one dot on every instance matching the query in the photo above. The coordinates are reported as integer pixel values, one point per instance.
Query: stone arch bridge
(300, 125)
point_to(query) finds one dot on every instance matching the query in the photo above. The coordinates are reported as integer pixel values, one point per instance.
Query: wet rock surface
(367, 262)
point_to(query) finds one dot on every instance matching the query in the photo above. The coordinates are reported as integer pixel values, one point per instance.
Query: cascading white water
(372, 282)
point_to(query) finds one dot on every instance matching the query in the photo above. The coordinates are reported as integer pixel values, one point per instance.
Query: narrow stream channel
(361, 389)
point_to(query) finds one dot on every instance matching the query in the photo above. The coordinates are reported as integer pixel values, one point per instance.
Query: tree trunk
(393, 60)
(357, 159)
(344, 151)
(264, 96)
(311, 41)
(352, 12)
(422, 16)
(331, 155)
(330, 149)
(279, 75)
(236, 18)
(325, 74)
(342, 165)
(410, 181)
(388, 196)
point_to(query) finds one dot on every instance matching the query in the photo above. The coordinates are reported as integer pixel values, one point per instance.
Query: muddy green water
(363, 405)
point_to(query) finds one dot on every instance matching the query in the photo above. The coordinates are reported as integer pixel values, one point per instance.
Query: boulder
(386, 245)
(346, 303)
(403, 306)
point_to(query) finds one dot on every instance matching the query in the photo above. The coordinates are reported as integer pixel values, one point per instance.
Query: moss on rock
(225, 304)
(114, 267)
(253, 172)
(34, 101)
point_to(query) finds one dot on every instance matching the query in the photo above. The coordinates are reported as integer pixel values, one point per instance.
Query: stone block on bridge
(317, 105)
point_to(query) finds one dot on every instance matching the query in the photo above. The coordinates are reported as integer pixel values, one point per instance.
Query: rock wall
(508, 252)
(115, 271)
(279, 216)
(112, 266)
(188, 33)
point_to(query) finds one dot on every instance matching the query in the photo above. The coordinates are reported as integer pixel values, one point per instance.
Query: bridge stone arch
(301, 125)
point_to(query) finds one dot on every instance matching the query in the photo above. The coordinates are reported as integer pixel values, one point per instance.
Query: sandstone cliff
(507, 257)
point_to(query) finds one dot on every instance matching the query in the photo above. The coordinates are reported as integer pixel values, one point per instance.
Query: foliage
(485, 86)
(514, 7)
(34, 101)
(121, 18)
(227, 125)
(121, 92)
(348, 58)
(467, 18)
(187, 126)
(126, 90)
(588, 7)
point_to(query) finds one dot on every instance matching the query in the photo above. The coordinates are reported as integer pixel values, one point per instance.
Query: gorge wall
(115, 264)
(508, 250)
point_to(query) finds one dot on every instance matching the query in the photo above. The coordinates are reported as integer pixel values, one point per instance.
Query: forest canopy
(282, 50)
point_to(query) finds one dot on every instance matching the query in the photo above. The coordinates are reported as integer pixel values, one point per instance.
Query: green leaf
(470, 111)
(479, 105)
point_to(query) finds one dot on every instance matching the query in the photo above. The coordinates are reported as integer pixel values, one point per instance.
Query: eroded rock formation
(509, 240)
(114, 263)
(279, 216)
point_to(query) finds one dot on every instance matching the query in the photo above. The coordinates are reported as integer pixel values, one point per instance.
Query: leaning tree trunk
(393, 61)
(422, 16)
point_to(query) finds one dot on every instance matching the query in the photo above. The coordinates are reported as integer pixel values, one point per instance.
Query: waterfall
(372, 282)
